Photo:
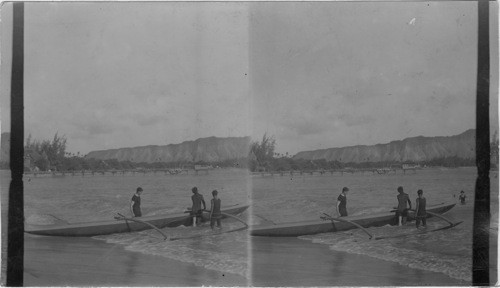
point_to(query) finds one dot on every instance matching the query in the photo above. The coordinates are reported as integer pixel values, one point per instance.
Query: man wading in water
(196, 211)
(215, 214)
(342, 203)
(420, 212)
(402, 210)
(135, 204)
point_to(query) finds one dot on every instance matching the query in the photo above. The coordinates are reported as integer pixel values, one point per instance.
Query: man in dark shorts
(342, 203)
(402, 210)
(196, 211)
(420, 212)
(135, 204)
(215, 213)
(462, 197)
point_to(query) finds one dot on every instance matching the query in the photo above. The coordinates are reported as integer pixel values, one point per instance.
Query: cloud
(304, 128)
(92, 128)
(149, 120)
(352, 120)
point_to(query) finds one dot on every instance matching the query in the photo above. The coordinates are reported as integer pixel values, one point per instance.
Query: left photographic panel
(137, 131)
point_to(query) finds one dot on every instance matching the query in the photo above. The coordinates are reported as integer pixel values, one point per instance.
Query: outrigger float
(122, 224)
(327, 223)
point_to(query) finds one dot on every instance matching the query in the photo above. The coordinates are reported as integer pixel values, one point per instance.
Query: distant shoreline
(239, 168)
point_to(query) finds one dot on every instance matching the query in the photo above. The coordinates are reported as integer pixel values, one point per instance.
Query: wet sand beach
(288, 261)
(62, 261)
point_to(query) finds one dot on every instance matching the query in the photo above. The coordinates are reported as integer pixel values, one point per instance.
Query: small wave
(458, 265)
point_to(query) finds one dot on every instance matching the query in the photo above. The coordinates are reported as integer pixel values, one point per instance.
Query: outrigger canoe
(121, 226)
(311, 227)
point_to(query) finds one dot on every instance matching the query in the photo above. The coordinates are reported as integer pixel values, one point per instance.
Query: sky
(312, 74)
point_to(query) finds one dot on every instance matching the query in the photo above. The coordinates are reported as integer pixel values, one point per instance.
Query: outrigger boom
(328, 217)
(121, 217)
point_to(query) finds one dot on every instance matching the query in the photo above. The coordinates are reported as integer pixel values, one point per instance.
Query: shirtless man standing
(196, 210)
(402, 211)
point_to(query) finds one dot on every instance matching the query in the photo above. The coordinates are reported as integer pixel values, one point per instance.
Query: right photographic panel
(364, 150)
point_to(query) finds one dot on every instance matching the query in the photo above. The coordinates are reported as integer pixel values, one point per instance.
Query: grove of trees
(262, 154)
(47, 154)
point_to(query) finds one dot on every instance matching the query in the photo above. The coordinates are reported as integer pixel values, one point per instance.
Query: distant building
(410, 166)
(202, 167)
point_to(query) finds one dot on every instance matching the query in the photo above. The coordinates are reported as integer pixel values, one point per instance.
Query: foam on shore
(215, 252)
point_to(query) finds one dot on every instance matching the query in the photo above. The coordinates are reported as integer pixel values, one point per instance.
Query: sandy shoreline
(62, 261)
(58, 261)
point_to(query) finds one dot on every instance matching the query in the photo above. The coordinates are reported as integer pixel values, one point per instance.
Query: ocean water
(274, 199)
(49, 200)
(295, 198)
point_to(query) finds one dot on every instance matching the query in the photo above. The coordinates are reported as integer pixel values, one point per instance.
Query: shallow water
(49, 200)
(274, 199)
(280, 199)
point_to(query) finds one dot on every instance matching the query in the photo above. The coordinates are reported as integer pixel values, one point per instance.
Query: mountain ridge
(417, 148)
(208, 149)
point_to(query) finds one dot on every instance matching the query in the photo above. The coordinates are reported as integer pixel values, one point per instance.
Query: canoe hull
(121, 226)
(294, 229)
